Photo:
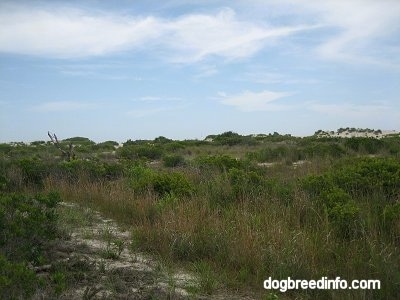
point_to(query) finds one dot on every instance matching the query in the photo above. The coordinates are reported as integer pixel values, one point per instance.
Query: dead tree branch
(69, 153)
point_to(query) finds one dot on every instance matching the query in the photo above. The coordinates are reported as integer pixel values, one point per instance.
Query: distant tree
(162, 140)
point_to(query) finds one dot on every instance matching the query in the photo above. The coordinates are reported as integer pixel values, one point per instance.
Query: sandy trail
(103, 266)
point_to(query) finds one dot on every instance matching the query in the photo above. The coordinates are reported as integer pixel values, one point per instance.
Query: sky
(139, 69)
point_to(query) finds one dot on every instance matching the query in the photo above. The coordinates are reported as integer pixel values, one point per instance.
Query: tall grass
(241, 226)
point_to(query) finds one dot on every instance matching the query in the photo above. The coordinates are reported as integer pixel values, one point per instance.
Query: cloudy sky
(139, 69)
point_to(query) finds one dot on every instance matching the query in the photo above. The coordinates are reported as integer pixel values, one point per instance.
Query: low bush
(33, 170)
(342, 212)
(174, 160)
(221, 162)
(161, 182)
(26, 223)
(17, 281)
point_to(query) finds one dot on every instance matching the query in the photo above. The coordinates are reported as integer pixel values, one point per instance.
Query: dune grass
(238, 233)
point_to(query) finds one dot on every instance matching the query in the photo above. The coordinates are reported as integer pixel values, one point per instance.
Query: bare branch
(69, 154)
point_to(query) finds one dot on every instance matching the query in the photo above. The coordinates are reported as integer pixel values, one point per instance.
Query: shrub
(26, 222)
(245, 183)
(391, 217)
(272, 154)
(33, 170)
(143, 178)
(17, 281)
(369, 175)
(94, 170)
(316, 184)
(344, 217)
(359, 177)
(140, 151)
(173, 160)
(221, 162)
(172, 183)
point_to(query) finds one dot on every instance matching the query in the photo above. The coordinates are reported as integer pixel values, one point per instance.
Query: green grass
(235, 223)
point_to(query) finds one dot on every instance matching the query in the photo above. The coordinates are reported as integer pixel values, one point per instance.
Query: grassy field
(238, 209)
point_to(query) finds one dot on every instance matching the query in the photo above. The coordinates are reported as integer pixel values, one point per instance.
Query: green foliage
(161, 182)
(171, 183)
(17, 281)
(272, 154)
(324, 150)
(162, 140)
(59, 281)
(167, 201)
(33, 170)
(359, 177)
(221, 162)
(208, 280)
(4, 183)
(342, 211)
(5, 148)
(94, 170)
(79, 141)
(173, 160)
(368, 145)
(338, 189)
(246, 183)
(391, 217)
(26, 222)
(369, 175)
(227, 138)
(132, 152)
(174, 146)
(105, 146)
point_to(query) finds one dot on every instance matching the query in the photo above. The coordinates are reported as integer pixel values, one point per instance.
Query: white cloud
(252, 101)
(352, 110)
(61, 106)
(364, 25)
(356, 31)
(69, 33)
(64, 33)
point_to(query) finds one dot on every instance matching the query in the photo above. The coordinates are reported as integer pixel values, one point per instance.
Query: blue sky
(136, 69)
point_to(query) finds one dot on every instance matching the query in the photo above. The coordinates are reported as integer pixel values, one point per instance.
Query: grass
(235, 223)
(246, 238)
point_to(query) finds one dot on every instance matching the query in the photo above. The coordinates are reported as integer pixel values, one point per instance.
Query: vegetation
(234, 209)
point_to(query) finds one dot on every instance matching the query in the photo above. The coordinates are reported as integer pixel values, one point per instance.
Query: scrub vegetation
(233, 209)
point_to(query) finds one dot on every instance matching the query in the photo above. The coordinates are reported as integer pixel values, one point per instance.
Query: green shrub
(33, 170)
(324, 150)
(17, 281)
(171, 183)
(26, 223)
(368, 176)
(272, 154)
(173, 160)
(92, 169)
(245, 183)
(345, 218)
(161, 182)
(358, 177)
(3, 182)
(140, 151)
(391, 218)
(141, 178)
(221, 162)
(316, 184)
